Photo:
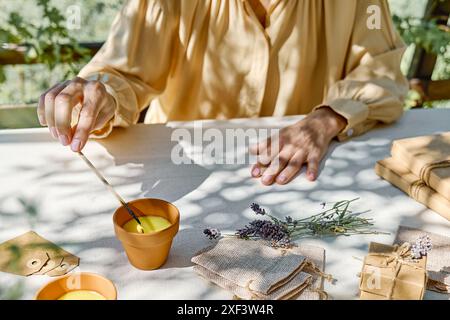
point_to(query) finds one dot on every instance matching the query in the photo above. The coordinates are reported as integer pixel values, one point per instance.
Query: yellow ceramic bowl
(77, 281)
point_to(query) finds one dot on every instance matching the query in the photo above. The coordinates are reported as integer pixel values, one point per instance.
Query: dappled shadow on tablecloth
(209, 196)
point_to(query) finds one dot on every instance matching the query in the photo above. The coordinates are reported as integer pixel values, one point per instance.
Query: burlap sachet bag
(254, 270)
(285, 292)
(438, 262)
(315, 266)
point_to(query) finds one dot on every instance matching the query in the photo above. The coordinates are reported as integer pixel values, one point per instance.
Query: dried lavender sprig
(338, 220)
(212, 233)
(328, 212)
(266, 230)
(335, 221)
(257, 209)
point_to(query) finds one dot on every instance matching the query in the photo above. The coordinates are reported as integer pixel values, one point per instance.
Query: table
(47, 188)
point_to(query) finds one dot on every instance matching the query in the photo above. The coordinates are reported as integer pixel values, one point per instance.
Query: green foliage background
(41, 24)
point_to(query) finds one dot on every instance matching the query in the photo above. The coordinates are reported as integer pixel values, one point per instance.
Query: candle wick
(140, 229)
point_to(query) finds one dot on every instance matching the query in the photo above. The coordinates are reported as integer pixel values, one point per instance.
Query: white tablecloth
(74, 210)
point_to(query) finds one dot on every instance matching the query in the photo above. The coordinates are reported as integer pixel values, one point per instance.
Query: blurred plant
(429, 35)
(31, 209)
(13, 292)
(49, 42)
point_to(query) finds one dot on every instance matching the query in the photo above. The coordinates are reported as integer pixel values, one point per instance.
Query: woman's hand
(88, 98)
(304, 143)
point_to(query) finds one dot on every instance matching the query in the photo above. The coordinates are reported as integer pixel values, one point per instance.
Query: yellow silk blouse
(213, 59)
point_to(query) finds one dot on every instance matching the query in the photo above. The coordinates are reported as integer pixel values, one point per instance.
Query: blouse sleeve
(374, 87)
(135, 61)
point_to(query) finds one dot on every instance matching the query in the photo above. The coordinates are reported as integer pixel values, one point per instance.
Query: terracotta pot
(77, 281)
(150, 250)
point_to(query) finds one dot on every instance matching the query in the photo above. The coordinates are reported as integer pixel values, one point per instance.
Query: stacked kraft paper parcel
(420, 167)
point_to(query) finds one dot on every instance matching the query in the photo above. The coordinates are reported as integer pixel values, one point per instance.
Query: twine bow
(399, 254)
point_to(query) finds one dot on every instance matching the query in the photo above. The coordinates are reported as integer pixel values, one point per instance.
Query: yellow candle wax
(149, 224)
(82, 295)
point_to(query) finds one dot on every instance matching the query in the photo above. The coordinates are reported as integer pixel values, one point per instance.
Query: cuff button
(350, 132)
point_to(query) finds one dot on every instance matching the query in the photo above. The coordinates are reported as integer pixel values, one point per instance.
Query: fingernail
(311, 176)
(256, 172)
(75, 146)
(281, 179)
(267, 179)
(53, 132)
(64, 140)
(41, 120)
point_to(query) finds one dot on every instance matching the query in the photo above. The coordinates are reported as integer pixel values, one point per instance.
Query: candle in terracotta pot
(148, 250)
(82, 295)
(149, 224)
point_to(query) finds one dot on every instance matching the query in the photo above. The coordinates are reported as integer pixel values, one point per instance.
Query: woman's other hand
(304, 143)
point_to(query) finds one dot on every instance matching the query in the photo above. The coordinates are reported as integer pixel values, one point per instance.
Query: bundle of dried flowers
(334, 221)
(422, 247)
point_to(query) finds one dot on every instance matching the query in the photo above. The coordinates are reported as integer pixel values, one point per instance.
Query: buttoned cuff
(357, 130)
(355, 112)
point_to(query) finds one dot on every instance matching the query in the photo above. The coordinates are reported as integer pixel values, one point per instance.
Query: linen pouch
(292, 288)
(438, 262)
(251, 264)
(315, 266)
(254, 270)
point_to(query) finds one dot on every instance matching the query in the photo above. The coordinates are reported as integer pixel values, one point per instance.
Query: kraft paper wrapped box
(428, 158)
(391, 170)
(420, 167)
(389, 273)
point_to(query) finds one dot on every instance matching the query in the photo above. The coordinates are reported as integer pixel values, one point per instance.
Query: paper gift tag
(60, 259)
(51, 264)
(30, 254)
(22, 256)
(68, 264)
